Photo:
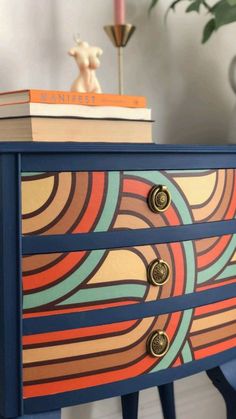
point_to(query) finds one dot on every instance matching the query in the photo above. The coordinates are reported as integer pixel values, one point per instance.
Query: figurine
(87, 59)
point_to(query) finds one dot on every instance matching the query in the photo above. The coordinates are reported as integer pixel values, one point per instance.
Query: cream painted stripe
(120, 265)
(233, 258)
(87, 347)
(206, 210)
(35, 193)
(197, 189)
(212, 321)
(53, 210)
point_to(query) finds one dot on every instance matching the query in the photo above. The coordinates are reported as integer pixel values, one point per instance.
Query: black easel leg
(224, 379)
(166, 393)
(130, 405)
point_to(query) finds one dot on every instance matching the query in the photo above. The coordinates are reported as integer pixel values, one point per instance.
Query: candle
(119, 12)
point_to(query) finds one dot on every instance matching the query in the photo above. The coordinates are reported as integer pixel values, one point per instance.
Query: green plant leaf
(153, 4)
(224, 13)
(208, 30)
(231, 2)
(172, 7)
(194, 6)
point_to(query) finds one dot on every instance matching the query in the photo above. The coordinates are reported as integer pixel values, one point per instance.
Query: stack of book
(42, 115)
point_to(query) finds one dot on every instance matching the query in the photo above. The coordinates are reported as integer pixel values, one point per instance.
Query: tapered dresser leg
(166, 393)
(54, 414)
(130, 405)
(224, 379)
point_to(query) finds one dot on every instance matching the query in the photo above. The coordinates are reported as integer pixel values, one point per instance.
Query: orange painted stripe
(94, 204)
(78, 333)
(211, 308)
(179, 271)
(77, 309)
(102, 378)
(172, 216)
(211, 255)
(49, 276)
(137, 187)
(177, 363)
(215, 285)
(214, 349)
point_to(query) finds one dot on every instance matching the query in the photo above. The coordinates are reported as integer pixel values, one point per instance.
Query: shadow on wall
(186, 82)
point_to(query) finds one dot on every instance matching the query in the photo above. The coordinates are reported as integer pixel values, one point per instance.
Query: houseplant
(221, 13)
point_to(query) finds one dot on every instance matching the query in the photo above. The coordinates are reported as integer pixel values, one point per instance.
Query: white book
(76, 111)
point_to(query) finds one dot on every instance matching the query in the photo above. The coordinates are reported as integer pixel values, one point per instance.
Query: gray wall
(186, 86)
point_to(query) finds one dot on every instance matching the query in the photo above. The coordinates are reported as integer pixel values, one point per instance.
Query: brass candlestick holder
(119, 36)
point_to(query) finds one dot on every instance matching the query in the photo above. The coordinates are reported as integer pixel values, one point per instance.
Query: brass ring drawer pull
(159, 198)
(158, 344)
(158, 272)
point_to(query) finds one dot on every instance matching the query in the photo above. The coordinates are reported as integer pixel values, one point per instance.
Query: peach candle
(119, 12)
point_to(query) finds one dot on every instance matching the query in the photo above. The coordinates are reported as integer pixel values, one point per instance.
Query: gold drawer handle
(158, 272)
(159, 198)
(158, 344)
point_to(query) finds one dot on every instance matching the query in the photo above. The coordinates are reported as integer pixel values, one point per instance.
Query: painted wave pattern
(82, 202)
(70, 360)
(78, 281)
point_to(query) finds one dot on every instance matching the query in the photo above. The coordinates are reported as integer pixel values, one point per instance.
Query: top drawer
(82, 202)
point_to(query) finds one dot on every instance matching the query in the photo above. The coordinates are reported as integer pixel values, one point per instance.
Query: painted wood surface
(75, 359)
(59, 283)
(82, 202)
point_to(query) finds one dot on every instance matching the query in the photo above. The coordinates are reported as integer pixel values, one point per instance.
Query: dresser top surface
(67, 147)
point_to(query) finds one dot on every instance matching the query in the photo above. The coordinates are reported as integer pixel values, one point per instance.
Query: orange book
(71, 98)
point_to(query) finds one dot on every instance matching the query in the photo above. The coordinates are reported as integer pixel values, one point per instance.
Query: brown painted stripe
(74, 208)
(204, 245)
(34, 263)
(140, 208)
(214, 335)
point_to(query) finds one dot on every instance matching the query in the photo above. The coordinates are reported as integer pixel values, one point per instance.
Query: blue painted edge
(10, 287)
(152, 159)
(99, 147)
(130, 312)
(229, 371)
(40, 404)
(124, 238)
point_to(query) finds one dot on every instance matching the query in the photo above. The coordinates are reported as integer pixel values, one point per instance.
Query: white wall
(186, 86)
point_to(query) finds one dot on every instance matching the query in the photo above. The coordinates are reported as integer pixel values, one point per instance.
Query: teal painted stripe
(228, 272)
(159, 179)
(190, 266)
(177, 343)
(25, 174)
(40, 298)
(186, 353)
(106, 293)
(110, 205)
(216, 267)
(186, 171)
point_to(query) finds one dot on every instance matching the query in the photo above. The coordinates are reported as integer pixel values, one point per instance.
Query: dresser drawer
(75, 359)
(87, 280)
(82, 202)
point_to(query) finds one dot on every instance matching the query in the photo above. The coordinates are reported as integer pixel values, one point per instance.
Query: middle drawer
(87, 280)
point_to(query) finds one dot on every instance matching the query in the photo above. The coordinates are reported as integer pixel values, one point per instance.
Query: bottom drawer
(76, 359)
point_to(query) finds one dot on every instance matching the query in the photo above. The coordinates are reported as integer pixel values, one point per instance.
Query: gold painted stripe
(54, 209)
(213, 321)
(35, 193)
(197, 189)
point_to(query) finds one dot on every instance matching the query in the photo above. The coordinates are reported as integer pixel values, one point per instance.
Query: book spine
(89, 99)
